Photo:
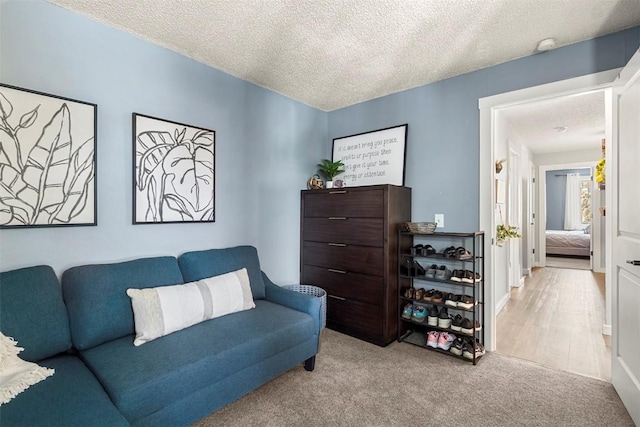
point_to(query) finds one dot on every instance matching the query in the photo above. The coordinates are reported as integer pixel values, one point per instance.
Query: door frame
(542, 209)
(489, 107)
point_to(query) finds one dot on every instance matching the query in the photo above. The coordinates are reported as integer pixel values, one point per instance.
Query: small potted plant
(506, 232)
(330, 170)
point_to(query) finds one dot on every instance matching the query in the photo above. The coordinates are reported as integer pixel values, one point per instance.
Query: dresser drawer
(360, 287)
(354, 231)
(356, 259)
(344, 203)
(355, 315)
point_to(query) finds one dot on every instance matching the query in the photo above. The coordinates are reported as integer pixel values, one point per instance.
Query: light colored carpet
(360, 384)
(562, 262)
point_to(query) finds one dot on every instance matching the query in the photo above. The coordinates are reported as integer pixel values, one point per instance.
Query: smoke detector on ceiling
(546, 44)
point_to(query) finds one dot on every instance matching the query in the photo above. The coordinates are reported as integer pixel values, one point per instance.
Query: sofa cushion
(33, 313)
(160, 311)
(72, 397)
(200, 264)
(97, 301)
(142, 380)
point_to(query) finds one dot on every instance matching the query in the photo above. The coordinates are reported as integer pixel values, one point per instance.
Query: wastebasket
(316, 292)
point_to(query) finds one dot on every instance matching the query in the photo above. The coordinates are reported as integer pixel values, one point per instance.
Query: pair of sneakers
(441, 340)
(471, 347)
(440, 273)
(416, 312)
(441, 318)
(465, 276)
(465, 347)
(465, 325)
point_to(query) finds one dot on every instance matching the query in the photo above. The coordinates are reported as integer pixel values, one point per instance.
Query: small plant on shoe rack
(506, 232)
(330, 169)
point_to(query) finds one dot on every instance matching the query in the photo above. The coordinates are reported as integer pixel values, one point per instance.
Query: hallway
(556, 319)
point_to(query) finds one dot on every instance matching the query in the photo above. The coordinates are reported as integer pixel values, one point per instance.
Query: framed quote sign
(372, 158)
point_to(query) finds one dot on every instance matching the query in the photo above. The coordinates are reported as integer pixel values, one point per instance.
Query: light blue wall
(556, 191)
(443, 136)
(266, 144)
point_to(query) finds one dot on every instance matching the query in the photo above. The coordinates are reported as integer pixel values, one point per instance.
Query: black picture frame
(173, 172)
(374, 157)
(48, 160)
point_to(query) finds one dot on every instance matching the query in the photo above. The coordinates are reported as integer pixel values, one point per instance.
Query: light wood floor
(556, 319)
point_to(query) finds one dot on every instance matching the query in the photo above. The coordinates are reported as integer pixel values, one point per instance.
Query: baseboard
(503, 301)
(606, 330)
(599, 270)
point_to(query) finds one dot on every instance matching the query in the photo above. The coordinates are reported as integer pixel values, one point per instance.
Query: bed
(563, 242)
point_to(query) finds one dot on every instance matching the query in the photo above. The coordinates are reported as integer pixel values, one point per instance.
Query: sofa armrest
(295, 300)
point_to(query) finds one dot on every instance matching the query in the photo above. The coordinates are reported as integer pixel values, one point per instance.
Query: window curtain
(572, 217)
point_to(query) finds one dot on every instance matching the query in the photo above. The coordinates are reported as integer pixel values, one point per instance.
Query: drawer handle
(342, 245)
(337, 271)
(342, 218)
(338, 298)
(338, 192)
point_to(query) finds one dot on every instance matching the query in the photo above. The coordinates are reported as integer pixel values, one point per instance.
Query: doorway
(562, 307)
(487, 178)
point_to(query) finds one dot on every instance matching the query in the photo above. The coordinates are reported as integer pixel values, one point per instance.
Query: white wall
(505, 137)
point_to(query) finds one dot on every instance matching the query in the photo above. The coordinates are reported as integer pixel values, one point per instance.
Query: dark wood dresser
(349, 241)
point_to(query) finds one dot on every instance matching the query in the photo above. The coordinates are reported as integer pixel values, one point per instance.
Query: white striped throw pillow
(160, 311)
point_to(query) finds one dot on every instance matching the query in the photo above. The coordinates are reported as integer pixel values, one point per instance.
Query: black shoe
(444, 321)
(456, 324)
(450, 252)
(432, 317)
(469, 277)
(428, 250)
(451, 300)
(457, 275)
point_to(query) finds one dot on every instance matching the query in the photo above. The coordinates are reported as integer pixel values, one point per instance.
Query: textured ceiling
(583, 115)
(334, 53)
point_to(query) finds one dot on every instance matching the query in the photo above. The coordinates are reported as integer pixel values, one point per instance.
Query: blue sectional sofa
(84, 329)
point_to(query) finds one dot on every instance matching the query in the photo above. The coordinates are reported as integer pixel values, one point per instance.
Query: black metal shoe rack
(415, 332)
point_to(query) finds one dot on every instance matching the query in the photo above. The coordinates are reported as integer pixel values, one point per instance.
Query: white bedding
(563, 242)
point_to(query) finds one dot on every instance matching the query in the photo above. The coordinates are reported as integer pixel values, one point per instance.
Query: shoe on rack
(431, 271)
(457, 275)
(437, 297)
(416, 250)
(428, 295)
(456, 323)
(428, 250)
(457, 346)
(444, 321)
(445, 340)
(449, 252)
(451, 300)
(407, 312)
(467, 302)
(432, 339)
(470, 348)
(409, 293)
(468, 327)
(469, 277)
(419, 293)
(432, 317)
(443, 273)
(419, 313)
(462, 253)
